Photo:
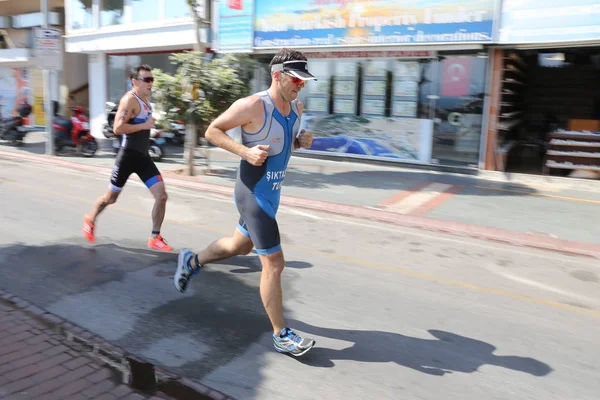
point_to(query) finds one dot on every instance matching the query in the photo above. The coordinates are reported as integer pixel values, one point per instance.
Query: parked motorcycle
(156, 151)
(73, 134)
(13, 129)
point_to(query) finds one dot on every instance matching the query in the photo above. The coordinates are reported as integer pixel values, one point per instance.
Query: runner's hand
(151, 123)
(257, 155)
(305, 139)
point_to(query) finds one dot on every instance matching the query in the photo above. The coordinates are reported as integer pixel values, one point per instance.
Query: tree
(216, 84)
(200, 10)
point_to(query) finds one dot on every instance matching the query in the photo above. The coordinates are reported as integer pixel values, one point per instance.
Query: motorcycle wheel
(155, 152)
(89, 148)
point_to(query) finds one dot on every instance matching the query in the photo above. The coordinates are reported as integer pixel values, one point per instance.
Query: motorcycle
(73, 133)
(156, 150)
(13, 129)
(175, 128)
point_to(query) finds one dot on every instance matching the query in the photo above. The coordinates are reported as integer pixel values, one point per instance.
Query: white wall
(97, 68)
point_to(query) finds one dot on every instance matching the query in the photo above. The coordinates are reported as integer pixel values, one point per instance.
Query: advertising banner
(235, 32)
(546, 21)
(22, 84)
(313, 23)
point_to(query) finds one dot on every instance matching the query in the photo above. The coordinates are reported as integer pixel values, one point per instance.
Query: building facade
(395, 81)
(545, 93)
(20, 78)
(115, 35)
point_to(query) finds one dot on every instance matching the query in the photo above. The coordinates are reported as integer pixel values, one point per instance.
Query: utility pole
(47, 100)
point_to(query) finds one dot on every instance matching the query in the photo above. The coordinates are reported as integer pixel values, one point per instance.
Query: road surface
(396, 312)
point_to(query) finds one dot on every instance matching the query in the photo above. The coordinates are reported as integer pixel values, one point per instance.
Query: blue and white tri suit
(258, 188)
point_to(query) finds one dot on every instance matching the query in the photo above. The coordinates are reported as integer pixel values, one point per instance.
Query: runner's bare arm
(241, 113)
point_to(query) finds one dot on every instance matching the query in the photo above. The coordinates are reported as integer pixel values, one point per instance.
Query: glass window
(81, 14)
(145, 10)
(111, 12)
(177, 9)
(459, 109)
(118, 77)
(120, 66)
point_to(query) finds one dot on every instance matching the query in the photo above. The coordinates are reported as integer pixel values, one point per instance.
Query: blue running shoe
(184, 271)
(291, 343)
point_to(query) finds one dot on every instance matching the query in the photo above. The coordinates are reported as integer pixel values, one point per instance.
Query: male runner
(269, 123)
(133, 121)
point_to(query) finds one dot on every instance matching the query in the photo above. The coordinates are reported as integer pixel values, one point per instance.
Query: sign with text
(235, 32)
(314, 23)
(47, 49)
(543, 21)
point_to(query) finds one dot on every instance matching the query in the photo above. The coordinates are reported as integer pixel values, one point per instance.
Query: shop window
(81, 14)
(145, 10)
(177, 9)
(458, 104)
(119, 69)
(111, 12)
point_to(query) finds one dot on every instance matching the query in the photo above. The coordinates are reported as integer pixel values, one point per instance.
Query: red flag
(456, 76)
(235, 4)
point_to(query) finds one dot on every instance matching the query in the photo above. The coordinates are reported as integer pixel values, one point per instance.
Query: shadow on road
(445, 354)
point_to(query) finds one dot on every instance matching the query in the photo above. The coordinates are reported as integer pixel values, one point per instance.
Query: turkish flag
(456, 76)
(235, 4)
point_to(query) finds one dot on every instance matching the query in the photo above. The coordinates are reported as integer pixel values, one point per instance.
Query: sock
(155, 234)
(191, 265)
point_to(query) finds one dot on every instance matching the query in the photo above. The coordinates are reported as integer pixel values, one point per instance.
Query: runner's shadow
(445, 354)
(251, 263)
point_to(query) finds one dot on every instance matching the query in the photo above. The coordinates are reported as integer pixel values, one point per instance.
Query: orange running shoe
(88, 229)
(159, 244)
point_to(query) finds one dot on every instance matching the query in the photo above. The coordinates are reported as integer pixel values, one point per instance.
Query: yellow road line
(551, 196)
(363, 263)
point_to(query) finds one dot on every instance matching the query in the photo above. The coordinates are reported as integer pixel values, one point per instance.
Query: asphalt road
(397, 313)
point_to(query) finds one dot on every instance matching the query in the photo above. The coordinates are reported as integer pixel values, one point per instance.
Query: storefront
(395, 81)
(545, 95)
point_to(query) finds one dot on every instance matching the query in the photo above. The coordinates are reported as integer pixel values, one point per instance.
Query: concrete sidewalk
(539, 211)
(43, 357)
(37, 363)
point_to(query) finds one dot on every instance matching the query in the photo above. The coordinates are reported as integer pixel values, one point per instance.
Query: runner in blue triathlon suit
(269, 122)
(133, 122)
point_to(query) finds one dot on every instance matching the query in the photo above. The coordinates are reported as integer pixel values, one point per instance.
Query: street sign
(47, 49)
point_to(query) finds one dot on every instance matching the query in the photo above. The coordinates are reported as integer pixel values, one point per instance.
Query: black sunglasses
(147, 79)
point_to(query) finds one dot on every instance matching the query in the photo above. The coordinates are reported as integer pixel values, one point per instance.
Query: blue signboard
(235, 30)
(545, 21)
(310, 23)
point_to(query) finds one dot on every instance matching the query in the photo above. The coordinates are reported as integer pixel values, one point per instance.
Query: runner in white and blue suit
(269, 125)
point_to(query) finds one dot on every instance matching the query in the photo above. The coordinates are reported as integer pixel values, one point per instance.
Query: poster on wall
(548, 21)
(317, 104)
(318, 90)
(312, 23)
(374, 88)
(235, 33)
(407, 70)
(343, 106)
(407, 139)
(15, 86)
(406, 89)
(403, 109)
(37, 91)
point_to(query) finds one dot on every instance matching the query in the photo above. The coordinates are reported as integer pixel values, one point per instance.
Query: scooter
(73, 134)
(156, 150)
(13, 129)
